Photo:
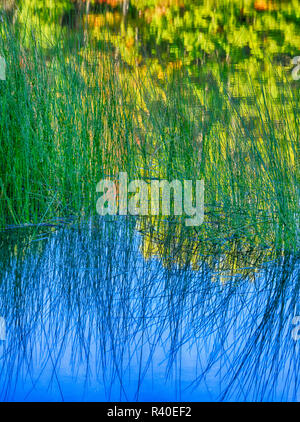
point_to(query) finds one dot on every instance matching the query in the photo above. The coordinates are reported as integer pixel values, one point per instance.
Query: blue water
(91, 317)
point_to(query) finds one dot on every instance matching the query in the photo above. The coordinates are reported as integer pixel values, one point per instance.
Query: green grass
(70, 117)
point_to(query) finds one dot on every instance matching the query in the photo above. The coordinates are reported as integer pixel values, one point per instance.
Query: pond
(92, 315)
(144, 308)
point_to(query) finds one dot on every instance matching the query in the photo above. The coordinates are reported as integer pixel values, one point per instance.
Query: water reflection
(246, 34)
(89, 318)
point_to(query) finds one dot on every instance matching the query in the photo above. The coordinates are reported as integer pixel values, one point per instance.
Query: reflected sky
(89, 318)
(124, 309)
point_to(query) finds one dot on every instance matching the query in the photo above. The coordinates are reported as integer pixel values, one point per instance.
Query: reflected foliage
(84, 308)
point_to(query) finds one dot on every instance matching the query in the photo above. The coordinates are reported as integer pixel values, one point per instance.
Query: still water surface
(89, 316)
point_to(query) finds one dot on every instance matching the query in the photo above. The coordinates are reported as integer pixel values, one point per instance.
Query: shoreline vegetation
(145, 307)
(70, 118)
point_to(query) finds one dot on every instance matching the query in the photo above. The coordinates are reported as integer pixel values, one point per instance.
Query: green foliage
(73, 113)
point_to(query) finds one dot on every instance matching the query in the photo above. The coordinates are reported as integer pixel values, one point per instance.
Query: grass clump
(70, 117)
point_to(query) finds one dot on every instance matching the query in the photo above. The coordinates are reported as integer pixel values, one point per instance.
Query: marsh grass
(72, 116)
(83, 302)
